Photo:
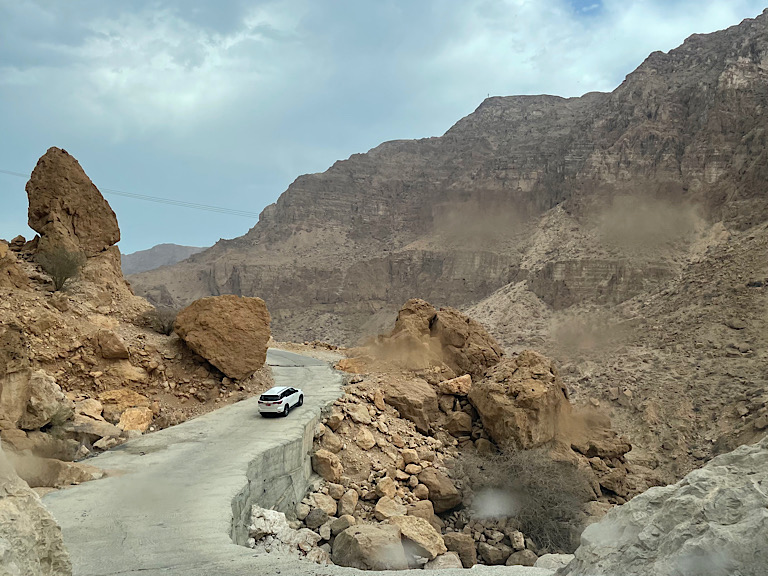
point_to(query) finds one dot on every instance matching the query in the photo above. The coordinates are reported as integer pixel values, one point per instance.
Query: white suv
(280, 400)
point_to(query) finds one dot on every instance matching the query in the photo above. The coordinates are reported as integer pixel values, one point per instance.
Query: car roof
(276, 390)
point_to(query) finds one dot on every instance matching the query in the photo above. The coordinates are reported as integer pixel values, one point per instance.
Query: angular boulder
(30, 540)
(463, 545)
(231, 332)
(46, 404)
(446, 561)
(714, 521)
(66, 209)
(415, 399)
(468, 348)
(387, 508)
(521, 401)
(429, 336)
(327, 465)
(459, 424)
(456, 386)
(442, 492)
(115, 402)
(111, 345)
(11, 275)
(137, 419)
(421, 538)
(368, 547)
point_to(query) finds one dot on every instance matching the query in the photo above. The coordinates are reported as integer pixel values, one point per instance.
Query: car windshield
(269, 397)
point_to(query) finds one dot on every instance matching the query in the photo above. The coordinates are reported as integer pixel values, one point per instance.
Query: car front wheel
(301, 401)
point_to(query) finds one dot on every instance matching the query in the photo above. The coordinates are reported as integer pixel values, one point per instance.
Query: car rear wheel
(285, 410)
(301, 401)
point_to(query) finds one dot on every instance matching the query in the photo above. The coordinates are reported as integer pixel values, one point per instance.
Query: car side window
(285, 393)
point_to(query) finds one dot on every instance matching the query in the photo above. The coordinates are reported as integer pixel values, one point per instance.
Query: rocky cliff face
(451, 219)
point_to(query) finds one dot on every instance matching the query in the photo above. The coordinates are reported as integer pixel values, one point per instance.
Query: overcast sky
(227, 102)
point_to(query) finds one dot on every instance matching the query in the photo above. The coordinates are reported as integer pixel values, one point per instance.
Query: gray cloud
(227, 102)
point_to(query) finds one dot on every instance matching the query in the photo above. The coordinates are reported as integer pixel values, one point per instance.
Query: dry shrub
(543, 495)
(61, 265)
(161, 319)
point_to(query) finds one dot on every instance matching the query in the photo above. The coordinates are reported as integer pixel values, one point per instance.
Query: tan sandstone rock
(135, 419)
(522, 401)
(445, 561)
(368, 547)
(11, 275)
(66, 209)
(229, 331)
(463, 545)
(456, 386)
(327, 465)
(347, 503)
(46, 403)
(442, 492)
(387, 508)
(424, 337)
(115, 402)
(415, 400)
(111, 345)
(421, 537)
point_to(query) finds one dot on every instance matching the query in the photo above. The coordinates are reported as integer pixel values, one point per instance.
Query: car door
(294, 397)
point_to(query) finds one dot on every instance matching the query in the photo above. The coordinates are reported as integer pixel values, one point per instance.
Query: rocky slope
(676, 147)
(81, 370)
(622, 234)
(397, 452)
(155, 257)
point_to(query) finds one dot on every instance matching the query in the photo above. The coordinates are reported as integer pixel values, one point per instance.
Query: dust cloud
(495, 503)
(638, 224)
(581, 332)
(476, 223)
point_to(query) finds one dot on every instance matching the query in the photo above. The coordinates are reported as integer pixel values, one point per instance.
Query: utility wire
(168, 201)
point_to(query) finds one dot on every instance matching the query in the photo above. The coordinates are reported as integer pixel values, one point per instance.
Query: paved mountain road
(169, 508)
(166, 510)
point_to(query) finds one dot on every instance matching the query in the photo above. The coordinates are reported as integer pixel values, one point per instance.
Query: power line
(158, 200)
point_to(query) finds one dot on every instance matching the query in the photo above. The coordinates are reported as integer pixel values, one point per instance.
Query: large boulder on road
(231, 332)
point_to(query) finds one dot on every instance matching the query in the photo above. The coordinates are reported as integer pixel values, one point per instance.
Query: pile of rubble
(393, 493)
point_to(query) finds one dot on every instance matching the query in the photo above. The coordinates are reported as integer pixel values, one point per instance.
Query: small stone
(316, 518)
(421, 492)
(335, 491)
(348, 503)
(302, 510)
(522, 558)
(325, 531)
(386, 487)
(387, 508)
(410, 456)
(325, 503)
(342, 523)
